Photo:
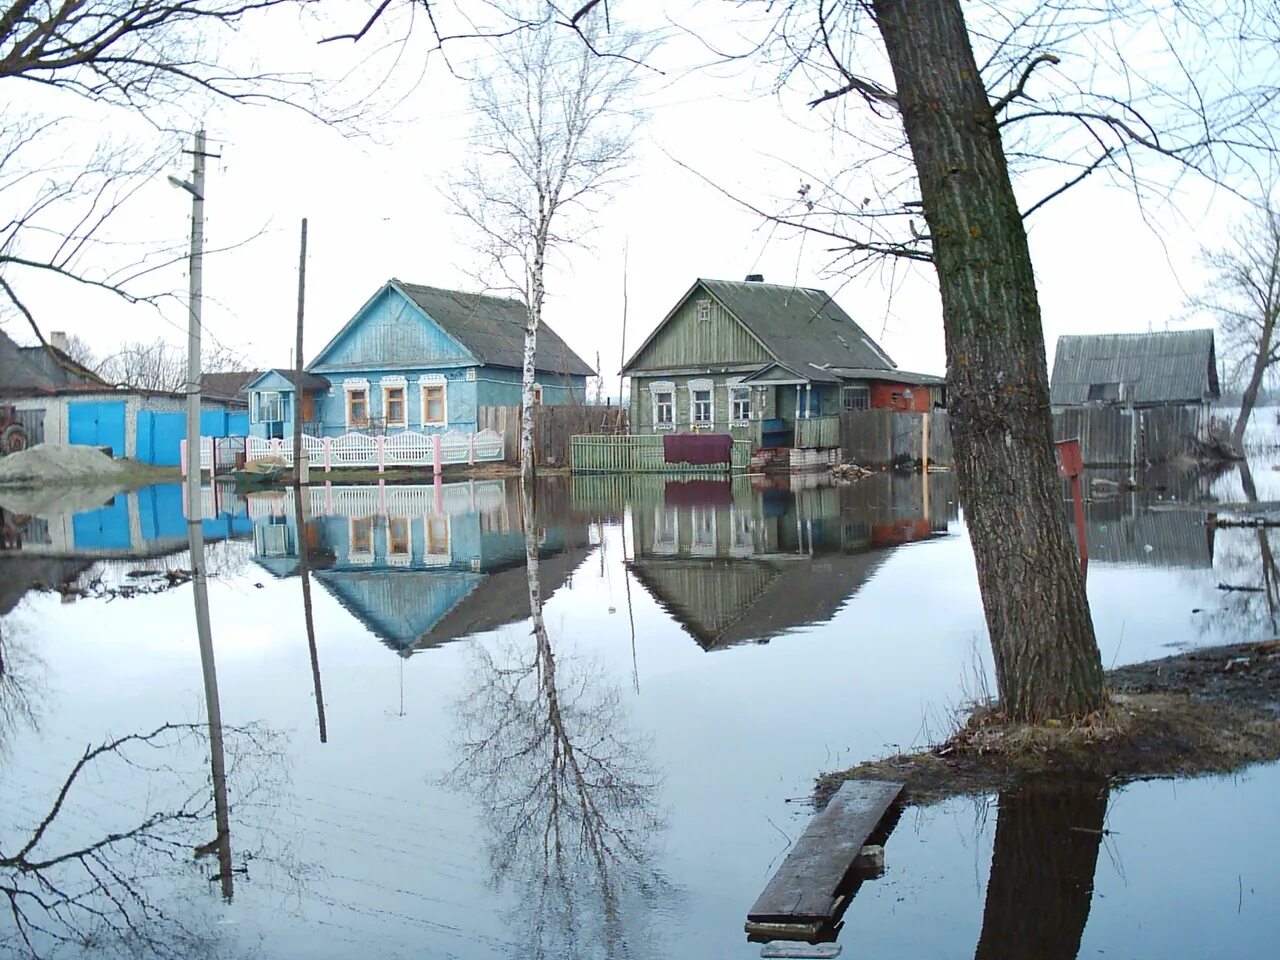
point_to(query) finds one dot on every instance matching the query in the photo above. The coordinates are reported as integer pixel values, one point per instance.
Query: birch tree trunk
(1046, 658)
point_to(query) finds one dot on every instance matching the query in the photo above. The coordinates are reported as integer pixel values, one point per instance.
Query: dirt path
(1206, 711)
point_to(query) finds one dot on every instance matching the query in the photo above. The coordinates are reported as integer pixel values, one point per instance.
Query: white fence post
(325, 443)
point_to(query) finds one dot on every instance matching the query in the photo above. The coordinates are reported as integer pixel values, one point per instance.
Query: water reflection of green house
(420, 577)
(735, 562)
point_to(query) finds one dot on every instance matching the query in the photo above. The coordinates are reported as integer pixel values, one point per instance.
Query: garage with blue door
(97, 423)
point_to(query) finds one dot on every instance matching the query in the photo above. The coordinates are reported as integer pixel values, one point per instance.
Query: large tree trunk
(1046, 657)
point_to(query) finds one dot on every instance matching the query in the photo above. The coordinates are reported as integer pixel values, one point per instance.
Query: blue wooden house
(425, 359)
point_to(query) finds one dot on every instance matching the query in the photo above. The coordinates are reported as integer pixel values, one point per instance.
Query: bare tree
(160, 366)
(1243, 295)
(555, 129)
(1056, 89)
(62, 180)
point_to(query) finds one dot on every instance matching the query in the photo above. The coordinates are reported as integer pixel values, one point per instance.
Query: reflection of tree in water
(1246, 558)
(568, 795)
(1042, 868)
(20, 675)
(108, 888)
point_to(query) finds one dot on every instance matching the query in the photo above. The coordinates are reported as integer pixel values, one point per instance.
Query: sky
(378, 206)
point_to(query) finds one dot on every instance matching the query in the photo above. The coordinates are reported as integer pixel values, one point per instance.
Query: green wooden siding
(641, 412)
(685, 341)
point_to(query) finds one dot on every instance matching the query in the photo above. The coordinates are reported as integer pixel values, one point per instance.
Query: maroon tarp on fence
(697, 448)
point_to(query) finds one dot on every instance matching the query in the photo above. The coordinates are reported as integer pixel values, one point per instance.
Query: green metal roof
(492, 328)
(803, 327)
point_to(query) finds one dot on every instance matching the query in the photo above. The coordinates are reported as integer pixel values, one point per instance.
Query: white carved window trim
(349, 386)
(694, 387)
(433, 380)
(655, 388)
(388, 384)
(703, 308)
(735, 385)
(537, 394)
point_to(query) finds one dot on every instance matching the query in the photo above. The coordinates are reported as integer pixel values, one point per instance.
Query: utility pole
(297, 360)
(195, 187)
(195, 518)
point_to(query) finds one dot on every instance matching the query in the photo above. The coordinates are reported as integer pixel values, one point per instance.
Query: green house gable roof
(490, 329)
(803, 328)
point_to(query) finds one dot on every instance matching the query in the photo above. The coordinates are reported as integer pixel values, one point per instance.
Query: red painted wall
(890, 396)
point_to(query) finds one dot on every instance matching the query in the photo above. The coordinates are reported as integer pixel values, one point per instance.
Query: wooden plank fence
(553, 425)
(1115, 435)
(883, 438)
(1108, 435)
(642, 453)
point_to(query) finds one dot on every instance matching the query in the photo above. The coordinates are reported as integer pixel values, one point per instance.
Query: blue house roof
(489, 330)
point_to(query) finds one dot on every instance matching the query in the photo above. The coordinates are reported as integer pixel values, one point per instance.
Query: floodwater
(429, 774)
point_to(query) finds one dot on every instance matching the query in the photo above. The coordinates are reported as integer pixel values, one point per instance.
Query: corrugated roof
(492, 328)
(1175, 366)
(802, 326)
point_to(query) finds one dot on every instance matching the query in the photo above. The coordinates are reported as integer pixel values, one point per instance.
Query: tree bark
(1046, 658)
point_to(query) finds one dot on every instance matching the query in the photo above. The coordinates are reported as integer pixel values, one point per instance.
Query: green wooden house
(774, 365)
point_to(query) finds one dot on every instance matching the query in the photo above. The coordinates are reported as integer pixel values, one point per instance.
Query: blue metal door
(97, 424)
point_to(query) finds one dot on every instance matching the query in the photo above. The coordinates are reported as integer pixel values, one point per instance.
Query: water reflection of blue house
(419, 567)
(138, 523)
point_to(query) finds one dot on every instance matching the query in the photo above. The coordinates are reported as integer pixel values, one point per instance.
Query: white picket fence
(407, 449)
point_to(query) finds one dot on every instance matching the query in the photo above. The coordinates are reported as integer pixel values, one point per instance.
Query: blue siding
(97, 424)
(460, 400)
(501, 387)
(391, 333)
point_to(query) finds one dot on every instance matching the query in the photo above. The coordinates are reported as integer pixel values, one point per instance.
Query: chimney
(755, 278)
(58, 340)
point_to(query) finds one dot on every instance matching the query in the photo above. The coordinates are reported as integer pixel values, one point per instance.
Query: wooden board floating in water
(804, 888)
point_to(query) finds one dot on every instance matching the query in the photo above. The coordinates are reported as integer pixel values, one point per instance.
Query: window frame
(656, 389)
(862, 391)
(350, 388)
(426, 384)
(735, 388)
(709, 388)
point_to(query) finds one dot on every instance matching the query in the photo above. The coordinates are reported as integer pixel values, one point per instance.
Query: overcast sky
(378, 208)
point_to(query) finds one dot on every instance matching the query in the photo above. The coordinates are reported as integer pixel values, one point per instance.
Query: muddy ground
(1213, 710)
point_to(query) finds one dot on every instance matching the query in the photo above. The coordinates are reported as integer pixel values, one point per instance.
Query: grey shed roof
(492, 328)
(803, 327)
(1175, 366)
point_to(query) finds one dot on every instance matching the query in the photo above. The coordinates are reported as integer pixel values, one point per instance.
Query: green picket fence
(642, 453)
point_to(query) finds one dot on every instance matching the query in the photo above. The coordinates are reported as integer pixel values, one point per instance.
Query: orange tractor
(13, 435)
